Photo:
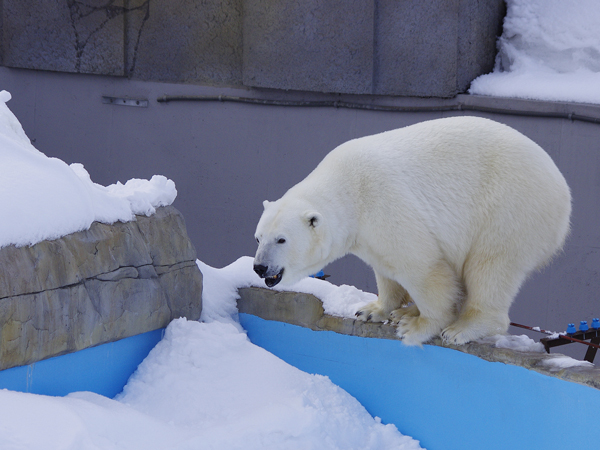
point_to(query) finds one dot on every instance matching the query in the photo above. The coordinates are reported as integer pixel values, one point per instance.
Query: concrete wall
(409, 47)
(226, 158)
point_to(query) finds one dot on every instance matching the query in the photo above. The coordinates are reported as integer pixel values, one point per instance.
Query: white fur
(452, 214)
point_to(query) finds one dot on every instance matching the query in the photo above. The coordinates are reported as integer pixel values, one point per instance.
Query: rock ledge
(96, 286)
(307, 310)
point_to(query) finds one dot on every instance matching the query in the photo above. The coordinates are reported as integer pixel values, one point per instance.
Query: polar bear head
(293, 242)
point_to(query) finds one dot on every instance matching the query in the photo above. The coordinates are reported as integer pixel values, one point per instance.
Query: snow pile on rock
(45, 198)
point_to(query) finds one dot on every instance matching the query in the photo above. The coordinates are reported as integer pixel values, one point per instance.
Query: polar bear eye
(257, 241)
(281, 241)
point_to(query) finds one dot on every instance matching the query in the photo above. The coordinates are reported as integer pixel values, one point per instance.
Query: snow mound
(202, 386)
(45, 198)
(549, 50)
(224, 392)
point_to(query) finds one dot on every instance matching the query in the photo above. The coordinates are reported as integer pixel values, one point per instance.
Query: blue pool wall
(446, 399)
(104, 369)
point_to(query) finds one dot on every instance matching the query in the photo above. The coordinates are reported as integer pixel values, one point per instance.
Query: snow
(520, 343)
(563, 362)
(203, 386)
(549, 50)
(341, 301)
(45, 198)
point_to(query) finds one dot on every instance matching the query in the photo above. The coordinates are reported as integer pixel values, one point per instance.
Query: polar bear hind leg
(491, 284)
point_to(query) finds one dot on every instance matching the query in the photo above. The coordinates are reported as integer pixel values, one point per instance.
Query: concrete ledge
(306, 310)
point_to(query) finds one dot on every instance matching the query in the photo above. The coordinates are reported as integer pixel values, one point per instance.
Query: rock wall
(410, 48)
(96, 286)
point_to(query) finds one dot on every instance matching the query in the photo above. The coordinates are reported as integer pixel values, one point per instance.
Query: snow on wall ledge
(96, 286)
(306, 310)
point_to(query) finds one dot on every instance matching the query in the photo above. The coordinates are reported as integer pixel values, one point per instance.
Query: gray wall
(430, 48)
(226, 158)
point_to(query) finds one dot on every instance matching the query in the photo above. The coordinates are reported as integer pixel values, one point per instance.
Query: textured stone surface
(306, 310)
(186, 40)
(479, 26)
(314, 45)
(416, 47)
(96, 286)
(409, 48)
(434, 48)
(84, 36)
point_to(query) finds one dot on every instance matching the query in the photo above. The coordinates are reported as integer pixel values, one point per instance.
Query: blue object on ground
(318, 274)
(595, 323)
(583, 325)
(571, 328)
(446, 399)
(104, 369)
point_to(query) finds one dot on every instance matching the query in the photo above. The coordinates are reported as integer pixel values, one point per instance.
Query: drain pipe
(371, 107)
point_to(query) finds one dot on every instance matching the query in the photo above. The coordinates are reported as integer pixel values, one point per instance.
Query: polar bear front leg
(391, 297)
(435, 295)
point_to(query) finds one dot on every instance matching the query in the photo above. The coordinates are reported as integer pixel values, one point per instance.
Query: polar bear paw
(459, 334)
(397, 314)
(373, 312)
(416, 330)
(473, 326)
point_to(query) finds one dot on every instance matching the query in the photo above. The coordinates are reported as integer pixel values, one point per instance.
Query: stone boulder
(96, 286)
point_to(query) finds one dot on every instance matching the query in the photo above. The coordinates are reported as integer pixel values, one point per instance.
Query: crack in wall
(81, 15)
(160, 270)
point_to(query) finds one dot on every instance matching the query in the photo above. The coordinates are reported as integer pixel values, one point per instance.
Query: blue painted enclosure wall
(104, 369)
(446, 399)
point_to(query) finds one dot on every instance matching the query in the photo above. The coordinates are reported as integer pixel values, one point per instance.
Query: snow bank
(44, 198)
(225, 392)
(203, 386)
(549, 50)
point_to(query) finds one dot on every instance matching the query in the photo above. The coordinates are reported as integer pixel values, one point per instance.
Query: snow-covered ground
(549, 50)
(203, 386)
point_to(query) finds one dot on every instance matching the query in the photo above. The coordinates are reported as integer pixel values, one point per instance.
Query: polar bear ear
(266, 203)
(313, 218)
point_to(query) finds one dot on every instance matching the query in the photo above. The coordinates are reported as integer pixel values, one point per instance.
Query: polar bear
(452, 215)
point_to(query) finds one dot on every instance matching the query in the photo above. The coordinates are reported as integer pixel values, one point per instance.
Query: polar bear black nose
(260, 270)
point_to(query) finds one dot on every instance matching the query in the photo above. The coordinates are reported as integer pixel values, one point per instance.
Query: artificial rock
(96, 286)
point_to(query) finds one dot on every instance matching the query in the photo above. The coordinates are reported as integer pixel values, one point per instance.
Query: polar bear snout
(263, 272)
(260, 270)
